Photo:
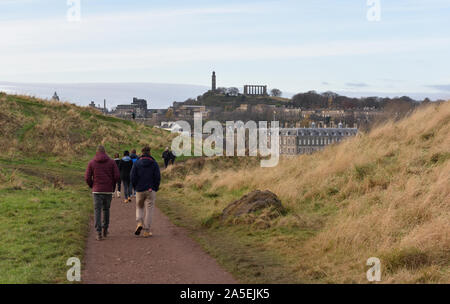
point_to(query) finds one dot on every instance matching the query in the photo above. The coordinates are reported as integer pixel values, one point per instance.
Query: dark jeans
(166, 162)
(102, 202)
(127, 188)
(118, 185)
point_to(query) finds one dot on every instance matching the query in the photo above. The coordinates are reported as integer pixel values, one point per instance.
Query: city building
(309, 140)
(138, 107)
(98, 107)
(187, 112)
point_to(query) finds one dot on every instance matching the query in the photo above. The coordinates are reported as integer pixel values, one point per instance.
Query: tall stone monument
(213, 86)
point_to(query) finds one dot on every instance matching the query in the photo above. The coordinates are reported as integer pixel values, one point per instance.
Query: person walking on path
(145, 177)
(102, 176)
(172, 157)
(125, 166)
(117, 160)
(166, 157)
(134, 158)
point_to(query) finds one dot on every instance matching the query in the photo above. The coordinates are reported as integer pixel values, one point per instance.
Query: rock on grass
(251, 203)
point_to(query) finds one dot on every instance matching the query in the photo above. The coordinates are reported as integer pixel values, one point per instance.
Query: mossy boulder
(252, 203)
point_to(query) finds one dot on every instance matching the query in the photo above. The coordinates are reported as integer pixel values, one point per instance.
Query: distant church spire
(213, 87)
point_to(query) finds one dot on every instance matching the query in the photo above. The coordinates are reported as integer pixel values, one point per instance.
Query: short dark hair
(116, 155)
(101, 149)
(146, 150)
(126, 153)
(133, 151)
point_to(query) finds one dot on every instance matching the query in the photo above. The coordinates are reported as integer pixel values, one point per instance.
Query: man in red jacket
(102, 175)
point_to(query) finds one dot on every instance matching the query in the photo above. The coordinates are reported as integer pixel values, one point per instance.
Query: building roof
(318, 131)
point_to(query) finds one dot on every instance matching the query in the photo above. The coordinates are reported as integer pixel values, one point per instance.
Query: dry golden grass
(384, 194)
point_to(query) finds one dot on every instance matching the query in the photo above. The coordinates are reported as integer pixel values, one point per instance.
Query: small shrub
(427, 136)
(211, 194)
(409, 258)
(439, 157)
(362, 171)
(209, 221)
(332, 191)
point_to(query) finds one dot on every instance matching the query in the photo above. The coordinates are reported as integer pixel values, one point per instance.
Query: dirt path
(169, 257)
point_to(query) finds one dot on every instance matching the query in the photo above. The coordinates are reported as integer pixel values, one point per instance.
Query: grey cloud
(357, 84)
(440, 87)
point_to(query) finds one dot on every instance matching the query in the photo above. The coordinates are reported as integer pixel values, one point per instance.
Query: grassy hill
(385, 194)
(44, 204)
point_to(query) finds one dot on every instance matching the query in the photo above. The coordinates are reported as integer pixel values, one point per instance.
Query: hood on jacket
(101, 157)
(126, 158)
(146, 161)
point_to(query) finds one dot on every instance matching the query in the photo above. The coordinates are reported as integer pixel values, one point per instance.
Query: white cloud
(141, 58)
(34, 34)
(415, 5)
(130, 41)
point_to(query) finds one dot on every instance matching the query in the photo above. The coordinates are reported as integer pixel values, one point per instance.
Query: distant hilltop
(232, 98)
(259, 103)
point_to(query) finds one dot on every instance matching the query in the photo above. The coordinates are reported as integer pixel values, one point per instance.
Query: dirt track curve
(169, 257)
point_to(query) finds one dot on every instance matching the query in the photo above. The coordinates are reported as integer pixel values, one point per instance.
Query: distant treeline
(313, 100)
(308, 101)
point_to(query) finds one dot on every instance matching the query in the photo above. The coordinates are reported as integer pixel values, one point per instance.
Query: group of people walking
(125, 165)
(140, 176)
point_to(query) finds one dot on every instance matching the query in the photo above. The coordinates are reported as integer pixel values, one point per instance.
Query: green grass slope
(44, 203)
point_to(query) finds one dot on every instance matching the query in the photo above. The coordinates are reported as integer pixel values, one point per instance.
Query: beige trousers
(145, 201)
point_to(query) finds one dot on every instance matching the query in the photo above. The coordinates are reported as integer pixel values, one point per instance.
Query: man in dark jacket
(172, 157)
(102, 175)
(145, 178)
(134, 157)
(168, 157)
(117, 160)
(125, 166)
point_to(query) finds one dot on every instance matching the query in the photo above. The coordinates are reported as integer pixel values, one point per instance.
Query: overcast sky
(292, 45)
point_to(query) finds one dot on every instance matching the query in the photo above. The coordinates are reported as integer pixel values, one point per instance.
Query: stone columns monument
(255, 90)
